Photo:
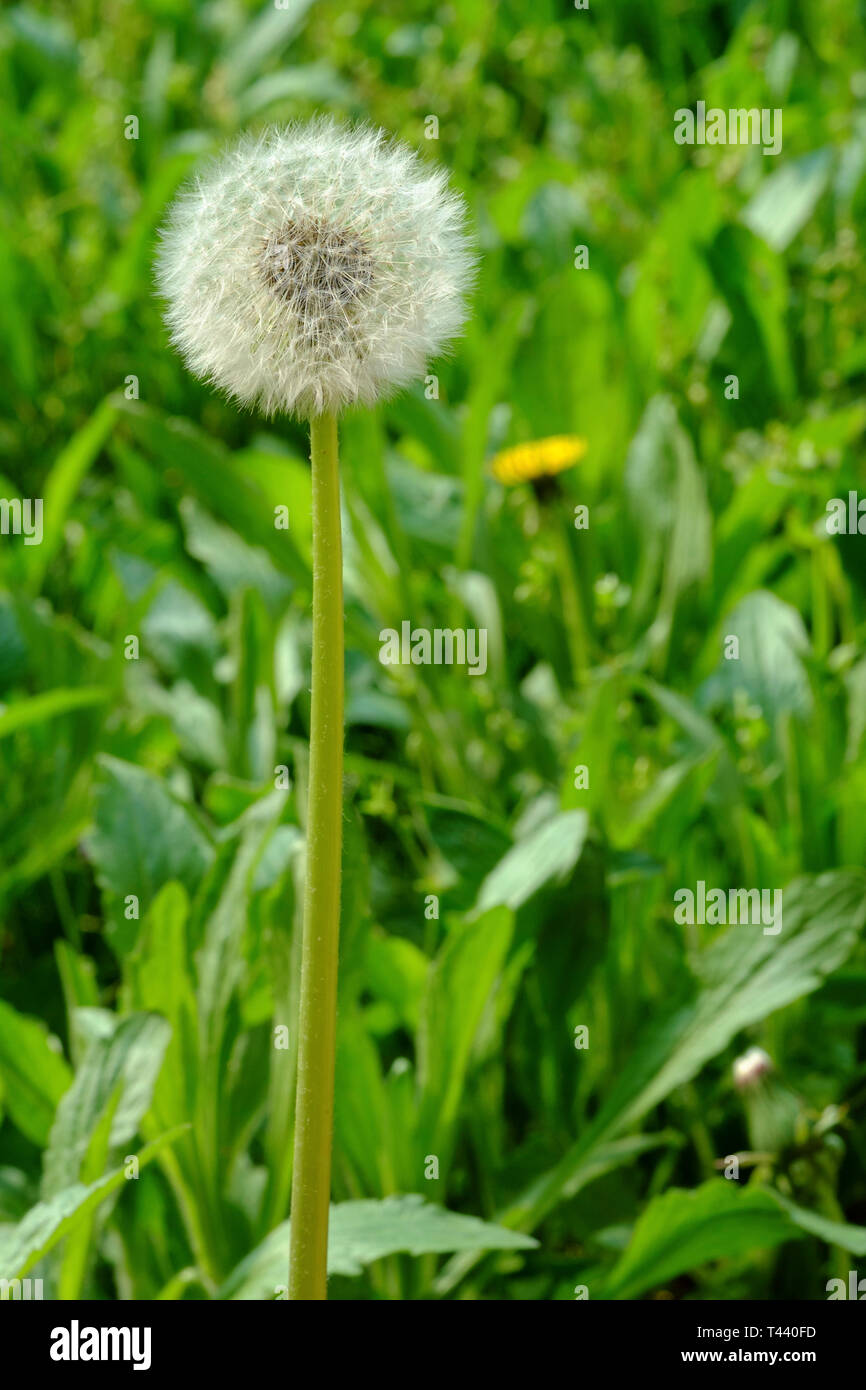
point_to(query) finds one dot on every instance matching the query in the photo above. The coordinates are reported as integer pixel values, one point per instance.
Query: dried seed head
(751, 1068)
(313, 267)
(316, 268)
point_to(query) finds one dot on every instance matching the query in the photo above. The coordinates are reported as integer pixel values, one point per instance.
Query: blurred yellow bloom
(542, 458)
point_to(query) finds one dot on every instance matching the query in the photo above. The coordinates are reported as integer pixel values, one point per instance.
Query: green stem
(572, 604)
(311, 1177)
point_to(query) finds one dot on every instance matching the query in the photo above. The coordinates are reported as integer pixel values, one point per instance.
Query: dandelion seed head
(751, 1068)
(315, 266)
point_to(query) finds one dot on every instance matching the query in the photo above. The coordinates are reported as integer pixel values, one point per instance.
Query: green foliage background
(155, 777)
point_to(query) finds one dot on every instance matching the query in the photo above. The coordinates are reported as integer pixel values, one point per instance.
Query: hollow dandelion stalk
(305, 270)
(316, 1026)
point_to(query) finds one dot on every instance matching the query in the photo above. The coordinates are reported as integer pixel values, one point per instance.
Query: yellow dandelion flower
(542, 458)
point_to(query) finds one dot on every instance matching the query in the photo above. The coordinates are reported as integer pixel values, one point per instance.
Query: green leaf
(196, 720)
(754, 282)
(668, 503)
(318, 83)
(547, 854)
(606, 1158)
(49, 1222)
(459, 985)
(179, 631)
(23, 714)
(770, 671)
(264, 37)
(232, 564)
(16, 324)
(488, 384)
(33, 1073)
(786, 200)
(361, 1130)
(747, 975)
(131, 265)
(841, 1233)
(368, 1230)
(75, 1253)
(129, 1059)
(63, 482)
(220, 961)
(683, 1230)
(395, 970)
(428, 505)
(470, 843)
(223, 485)
(361, 1232)
(144, 837)
(159, 979)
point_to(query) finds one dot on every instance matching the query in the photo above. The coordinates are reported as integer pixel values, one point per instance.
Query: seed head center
(317, 269)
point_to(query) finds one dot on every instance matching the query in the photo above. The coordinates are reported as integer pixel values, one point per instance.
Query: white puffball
(315, 266)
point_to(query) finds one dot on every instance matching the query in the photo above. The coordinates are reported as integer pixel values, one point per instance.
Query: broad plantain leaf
(144, 837)
(682, 1230)
(547, 854)
(770, 671)
(361, 1232)
(747, 975)
(129, 1061)
(24, 1245)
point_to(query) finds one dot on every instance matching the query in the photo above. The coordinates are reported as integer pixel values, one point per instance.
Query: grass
(155, 657)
